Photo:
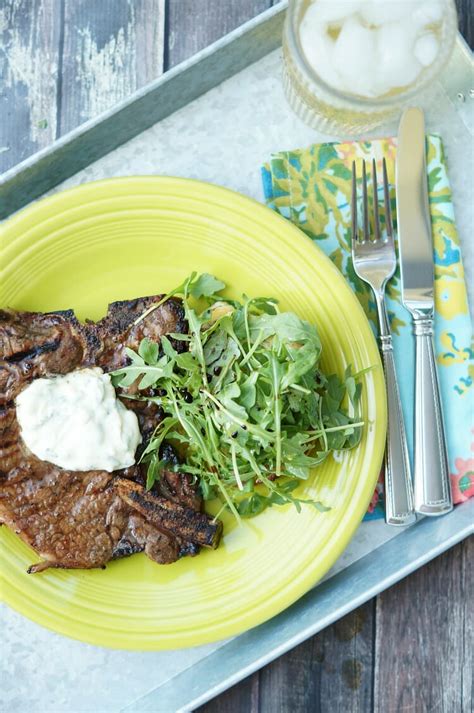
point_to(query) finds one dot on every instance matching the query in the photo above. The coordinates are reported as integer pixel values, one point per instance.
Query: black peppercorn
(157, 392)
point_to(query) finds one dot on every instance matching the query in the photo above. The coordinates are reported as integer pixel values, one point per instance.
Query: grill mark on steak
(81, 519)
(169, 516)
(34, 351)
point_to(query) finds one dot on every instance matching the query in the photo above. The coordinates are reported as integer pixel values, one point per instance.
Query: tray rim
(323, 605)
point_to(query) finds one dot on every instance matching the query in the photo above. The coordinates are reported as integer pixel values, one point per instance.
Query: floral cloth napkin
(311, 187)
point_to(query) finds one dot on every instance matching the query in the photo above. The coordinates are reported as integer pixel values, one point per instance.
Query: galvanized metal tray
(178, 126)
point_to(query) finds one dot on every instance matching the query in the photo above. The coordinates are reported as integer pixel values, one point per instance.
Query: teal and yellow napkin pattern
(312, 188)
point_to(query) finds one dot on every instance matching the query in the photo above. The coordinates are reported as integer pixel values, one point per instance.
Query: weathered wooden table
(61, 63)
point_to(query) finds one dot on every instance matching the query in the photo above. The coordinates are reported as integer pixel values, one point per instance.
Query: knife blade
(413, 213)
(431, 486)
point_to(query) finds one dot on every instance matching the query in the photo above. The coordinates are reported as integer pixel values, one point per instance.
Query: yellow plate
(122, 238)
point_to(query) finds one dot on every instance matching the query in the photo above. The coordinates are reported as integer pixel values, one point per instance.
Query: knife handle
(431, 474)
(398, 485)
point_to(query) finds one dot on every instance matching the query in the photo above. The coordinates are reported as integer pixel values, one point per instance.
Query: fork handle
(431, 474)
(398, 486)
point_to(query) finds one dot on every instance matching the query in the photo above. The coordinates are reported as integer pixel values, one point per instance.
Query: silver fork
(375, 261)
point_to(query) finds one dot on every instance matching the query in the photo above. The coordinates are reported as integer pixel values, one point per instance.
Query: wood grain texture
(110, 49)
(410, 650)
(465, 10)
(467, 653)
(242, 698)
(425, 638)
(194, 24)
(330, 672)
(29, 58)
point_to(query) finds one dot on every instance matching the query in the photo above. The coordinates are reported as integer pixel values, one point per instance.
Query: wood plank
(467, 592)
(29, 51)
(242, 698)
(194, 24)
(330, 672)
(466, 20)
(424, 638)
(111, 48)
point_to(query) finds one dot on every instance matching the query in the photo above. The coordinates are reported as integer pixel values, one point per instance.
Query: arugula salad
(246, 403)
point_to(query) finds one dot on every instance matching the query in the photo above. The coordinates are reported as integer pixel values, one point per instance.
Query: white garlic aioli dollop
(76, 422)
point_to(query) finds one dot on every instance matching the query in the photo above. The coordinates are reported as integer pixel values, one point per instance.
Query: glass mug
(330, 110)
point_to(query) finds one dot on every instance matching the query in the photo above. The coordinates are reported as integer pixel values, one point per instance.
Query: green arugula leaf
(133, 356)
(287, 327)
(253, 505)
(205, 286)
(148, 351)
(334, 394)
(303, 361)
(128, 375)
(179, 337)
(187, 361)
(264, 304)
(248, 392)
(153, 472)
(167, 347)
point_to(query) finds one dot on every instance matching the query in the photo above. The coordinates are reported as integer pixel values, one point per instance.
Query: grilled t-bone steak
(85, 519)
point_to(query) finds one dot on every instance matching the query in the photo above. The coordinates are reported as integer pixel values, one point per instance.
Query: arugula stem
(196, 341)
(364, 371)
(231, 505)
(156, 440)
(323, 430)
(192, 431)
(246, 322)
(239, 421)
(297, 387)
(253, 349)
(334, 429)
(277, 415)
(235, 467)
(219, 513)
(253, 463)
(177, 290)
(224, 373)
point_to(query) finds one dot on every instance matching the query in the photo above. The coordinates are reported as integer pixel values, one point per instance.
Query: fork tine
(376, 201)
(354, 204)
(388, 206)
(365, 203)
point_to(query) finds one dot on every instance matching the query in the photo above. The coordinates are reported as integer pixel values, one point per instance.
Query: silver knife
(432, 489)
